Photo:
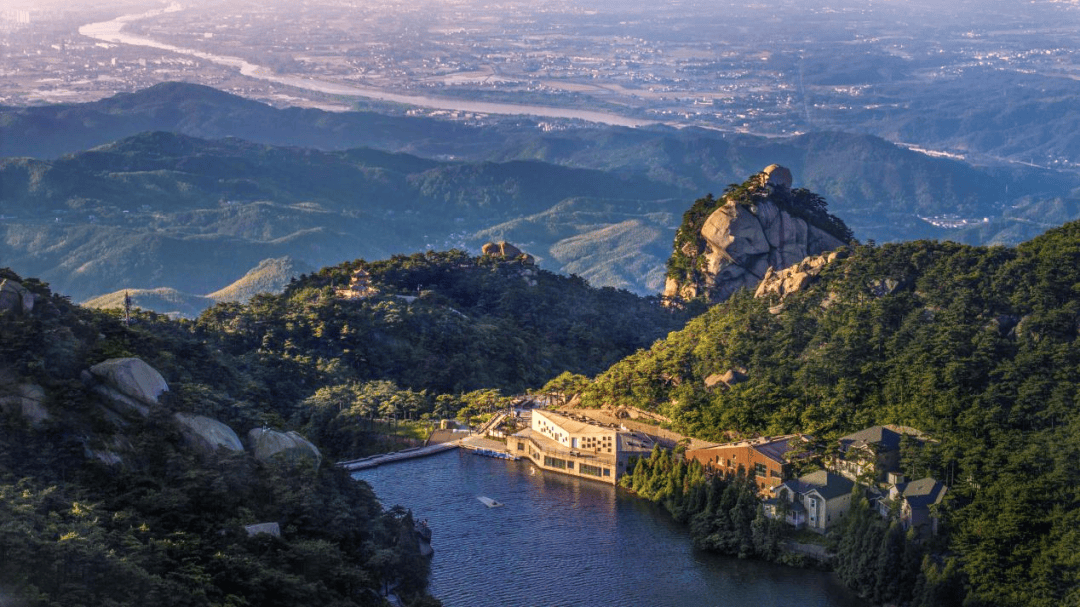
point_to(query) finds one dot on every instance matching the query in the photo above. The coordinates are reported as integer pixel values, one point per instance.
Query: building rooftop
(772, 447)
(550, 446)
(923, 493)
(826, 483)
(886, 437)
(574, 424)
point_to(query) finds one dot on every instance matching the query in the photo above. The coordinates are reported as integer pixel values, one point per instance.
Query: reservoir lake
(560, 540)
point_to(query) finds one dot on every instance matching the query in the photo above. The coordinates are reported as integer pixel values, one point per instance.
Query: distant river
(560, 540)
(111, 31)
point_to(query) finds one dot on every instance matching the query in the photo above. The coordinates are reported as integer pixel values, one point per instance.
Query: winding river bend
(112, 32)
(560, 540)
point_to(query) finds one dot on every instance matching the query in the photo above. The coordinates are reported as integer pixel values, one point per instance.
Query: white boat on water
(487, 501)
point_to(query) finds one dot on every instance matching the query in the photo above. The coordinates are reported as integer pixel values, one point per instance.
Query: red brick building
(762, 457)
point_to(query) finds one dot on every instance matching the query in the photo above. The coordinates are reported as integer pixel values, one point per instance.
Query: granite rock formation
(759, 227)
(15, 298)
(207, 435)
(27, 400)
(129, 383)
(794, 278)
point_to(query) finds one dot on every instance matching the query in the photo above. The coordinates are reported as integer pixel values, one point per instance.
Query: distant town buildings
(15, 16)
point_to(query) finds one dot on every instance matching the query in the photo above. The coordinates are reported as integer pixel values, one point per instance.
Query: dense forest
(444, 322)
(976, 346)
(102, 508)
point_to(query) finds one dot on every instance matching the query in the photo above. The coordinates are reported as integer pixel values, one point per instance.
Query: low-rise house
(814, 501)
(872, 452)
(575, 445)
(913, 503)
(761, 457)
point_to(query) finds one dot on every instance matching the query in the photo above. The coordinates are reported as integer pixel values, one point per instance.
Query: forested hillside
(976, 346)
(100, 505)
(445, 322)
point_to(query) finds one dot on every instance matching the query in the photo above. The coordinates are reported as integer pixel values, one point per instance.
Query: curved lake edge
(602, 546)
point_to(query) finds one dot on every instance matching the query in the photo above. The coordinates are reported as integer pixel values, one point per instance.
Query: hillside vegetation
(99, 507)
(445, 322)
(977, 346)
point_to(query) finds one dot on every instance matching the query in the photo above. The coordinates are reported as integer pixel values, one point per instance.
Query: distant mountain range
(186, 187)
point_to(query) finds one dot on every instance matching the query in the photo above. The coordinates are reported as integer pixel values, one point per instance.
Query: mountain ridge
(860, 174)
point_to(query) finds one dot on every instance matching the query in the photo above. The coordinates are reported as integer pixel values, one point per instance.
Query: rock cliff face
(732, 243)
(27, 400)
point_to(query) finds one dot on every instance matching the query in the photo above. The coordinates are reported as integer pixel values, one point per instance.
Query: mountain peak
(731, 243)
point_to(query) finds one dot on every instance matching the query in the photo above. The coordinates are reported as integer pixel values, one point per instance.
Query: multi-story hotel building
(578, 446)
(762, 457)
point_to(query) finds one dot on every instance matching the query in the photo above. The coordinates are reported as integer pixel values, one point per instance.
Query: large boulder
(501, 249)
(270, 445)
(206, 434)
(129, 383)
(27, 400)
(728, 378)
(776, 176)
(15, 298)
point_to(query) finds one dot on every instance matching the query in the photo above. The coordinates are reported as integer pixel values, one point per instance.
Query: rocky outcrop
(15, 298)
(884, 286)
(270, 445)
(776, 177)
(506, 250)
(129, 383)
(759, 226)
(27, 400)
(794, 278)
(500, 249)
(727, 379)
(207, 435)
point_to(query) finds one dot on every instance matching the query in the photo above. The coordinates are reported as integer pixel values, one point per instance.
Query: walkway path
(397, 456)
(491, 424)
(474, 442)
